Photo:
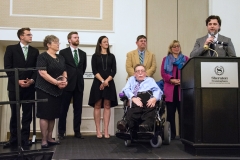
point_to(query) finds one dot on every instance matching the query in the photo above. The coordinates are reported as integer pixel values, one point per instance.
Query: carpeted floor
(92, 148)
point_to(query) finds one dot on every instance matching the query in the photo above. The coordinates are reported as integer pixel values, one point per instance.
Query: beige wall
(3, 97)
(183, 20)
(67, 15)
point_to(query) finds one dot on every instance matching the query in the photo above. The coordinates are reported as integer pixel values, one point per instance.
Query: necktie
(141, 58)
(212, 46)
(75, 57)
(25, 51)
(137, 87)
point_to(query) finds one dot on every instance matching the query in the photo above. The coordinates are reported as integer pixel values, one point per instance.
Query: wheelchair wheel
(167, 133)
(127, 143)
(156, 141)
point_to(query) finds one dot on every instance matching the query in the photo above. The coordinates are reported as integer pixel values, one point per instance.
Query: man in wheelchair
(142, 93)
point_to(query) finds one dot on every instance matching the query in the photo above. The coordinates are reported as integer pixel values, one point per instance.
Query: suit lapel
(80, 56)
(70, 56)
(136, 57)
(220, 38)
(146, 57)
(20, 51)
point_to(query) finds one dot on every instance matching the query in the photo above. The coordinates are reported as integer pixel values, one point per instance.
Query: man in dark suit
(202, 45)
(21, 55)
(76, 64)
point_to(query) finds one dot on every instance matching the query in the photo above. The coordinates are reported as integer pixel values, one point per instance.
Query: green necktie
(25, 51)
(75, 57)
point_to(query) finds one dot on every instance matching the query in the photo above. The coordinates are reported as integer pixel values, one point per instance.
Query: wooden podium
(210, 106)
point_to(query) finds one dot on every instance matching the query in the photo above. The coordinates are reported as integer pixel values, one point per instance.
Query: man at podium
(213, 44)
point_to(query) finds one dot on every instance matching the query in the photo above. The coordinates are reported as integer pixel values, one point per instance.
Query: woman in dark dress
(103, 91)
(49, 85)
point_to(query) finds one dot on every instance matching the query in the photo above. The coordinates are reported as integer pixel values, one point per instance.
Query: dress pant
(25, 94)
(77, 110)
(171, 110)
(141, 115)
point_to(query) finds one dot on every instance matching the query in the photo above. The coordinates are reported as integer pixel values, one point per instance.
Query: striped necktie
(137, 87)
(141, 58)
(25, 51)
(75, 57)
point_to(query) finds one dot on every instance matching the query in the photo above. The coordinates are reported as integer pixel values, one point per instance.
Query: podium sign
(219, 74)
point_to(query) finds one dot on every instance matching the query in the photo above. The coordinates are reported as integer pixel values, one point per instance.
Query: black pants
(141, 115)
(171, 110)
(25, 94)
(77, 110)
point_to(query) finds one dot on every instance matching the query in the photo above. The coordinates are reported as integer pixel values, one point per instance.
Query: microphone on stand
(206, 47)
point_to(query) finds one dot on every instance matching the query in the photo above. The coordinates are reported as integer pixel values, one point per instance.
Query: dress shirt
(22, 45)
(74, 52)
(215, 37)
(148, 84)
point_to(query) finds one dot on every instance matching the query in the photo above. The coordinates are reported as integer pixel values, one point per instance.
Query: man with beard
(76, 63)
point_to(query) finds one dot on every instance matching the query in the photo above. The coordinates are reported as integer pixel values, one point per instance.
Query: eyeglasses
(139, 71)
(29, 35)
(175, 46)
(56, 42)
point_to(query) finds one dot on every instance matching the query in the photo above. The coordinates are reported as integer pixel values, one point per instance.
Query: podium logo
(219, 70)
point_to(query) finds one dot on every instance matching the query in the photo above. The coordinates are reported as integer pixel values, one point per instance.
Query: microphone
(206, 47)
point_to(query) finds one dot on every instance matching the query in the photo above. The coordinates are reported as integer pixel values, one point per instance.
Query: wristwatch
(102, 81)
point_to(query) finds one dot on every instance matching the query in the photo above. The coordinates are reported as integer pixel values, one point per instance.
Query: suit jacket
(74, 73)
(223, 51)
(14, 58)
(133, 60)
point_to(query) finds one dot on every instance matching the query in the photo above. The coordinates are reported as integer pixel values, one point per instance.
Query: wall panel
(191, 22)
(161, 28)
(182, 20)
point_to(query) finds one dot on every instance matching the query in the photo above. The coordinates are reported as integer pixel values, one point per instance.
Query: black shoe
(143, 128)
(121, 125)
(53, 143)
(44, 146)
(78, 135)
(26, 143)
(61, 136)
(9, 144)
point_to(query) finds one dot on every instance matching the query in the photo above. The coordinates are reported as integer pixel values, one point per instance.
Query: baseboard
(38, 135)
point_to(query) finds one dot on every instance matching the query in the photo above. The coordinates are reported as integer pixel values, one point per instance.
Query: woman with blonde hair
(170, 72)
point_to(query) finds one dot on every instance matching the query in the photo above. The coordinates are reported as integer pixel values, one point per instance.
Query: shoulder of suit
(33, 48)
(13, 45)
(65, 49)
(219, 35)
(204, 37)
(133, 51)
(81, 50)
(147, 51)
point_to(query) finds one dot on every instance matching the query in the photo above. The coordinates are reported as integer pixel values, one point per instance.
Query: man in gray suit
(204, 46)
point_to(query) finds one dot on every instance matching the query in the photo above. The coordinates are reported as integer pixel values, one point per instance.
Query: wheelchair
(161, 133)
